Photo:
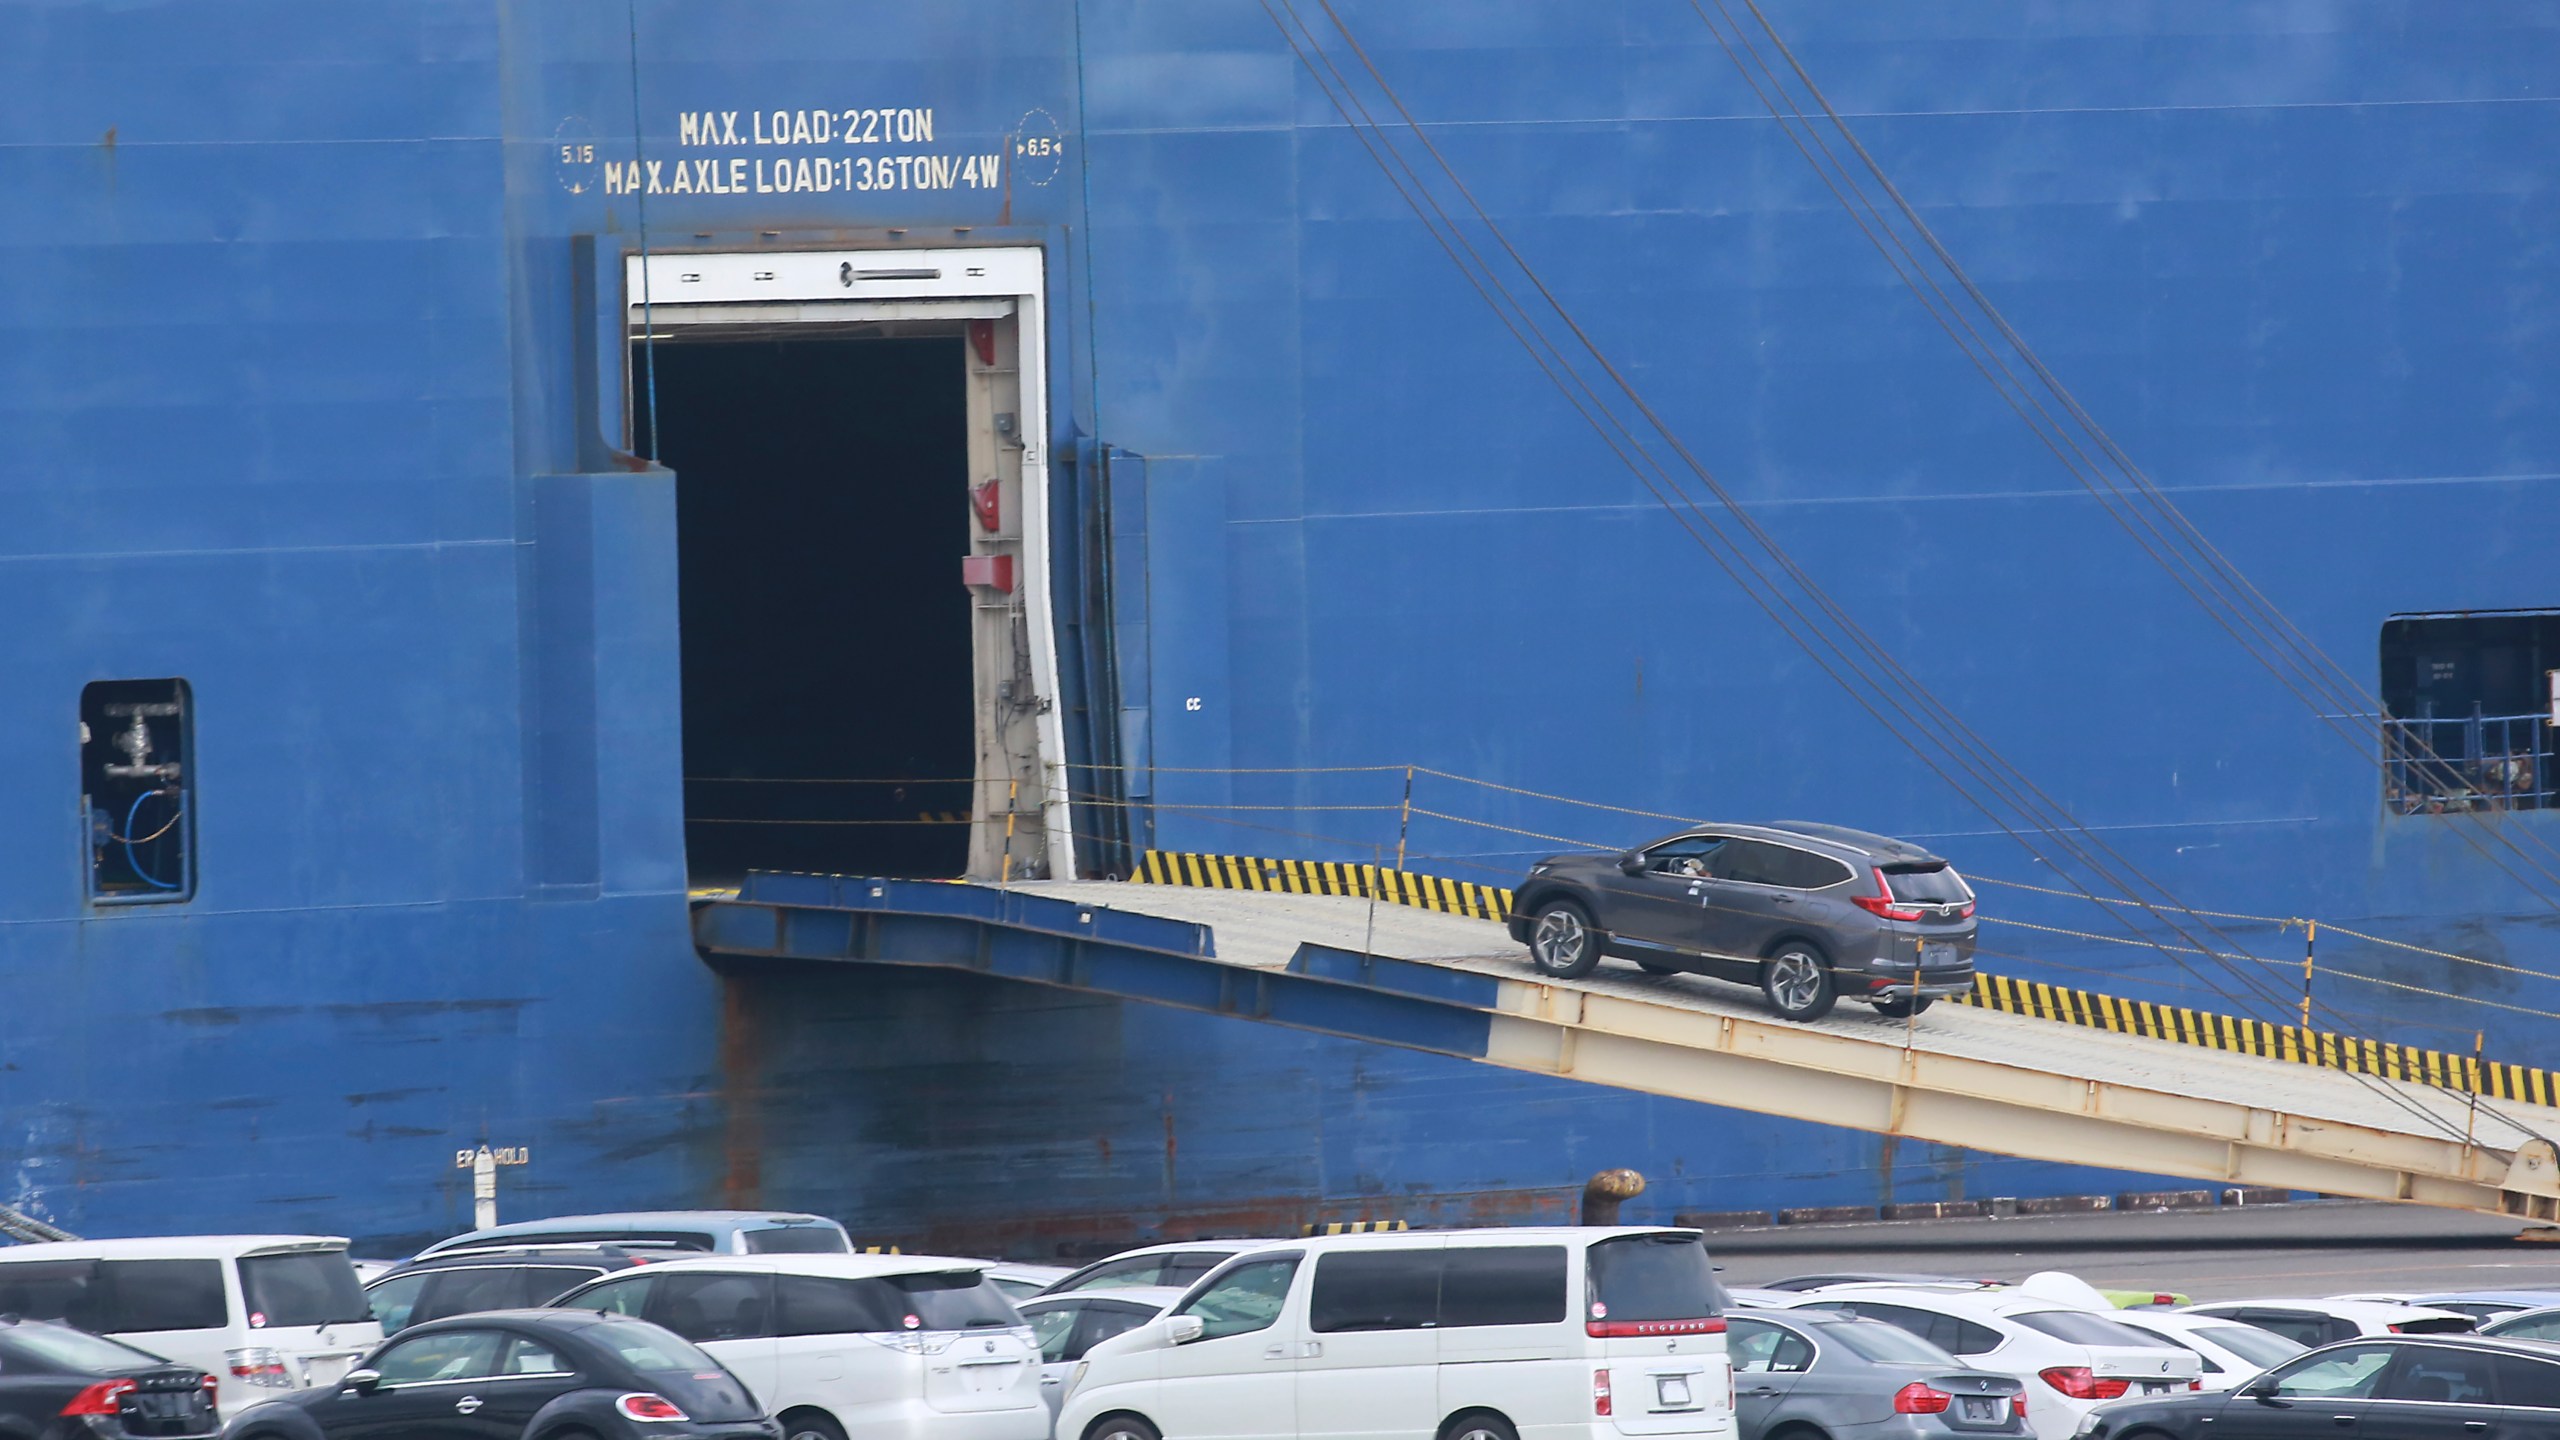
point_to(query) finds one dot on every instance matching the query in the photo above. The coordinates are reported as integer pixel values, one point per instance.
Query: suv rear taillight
(259, 1365)
(1882, 902)
(100, 1399)
(1600, 1392)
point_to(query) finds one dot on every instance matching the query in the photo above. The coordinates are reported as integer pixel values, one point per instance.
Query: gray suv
(1809, 913)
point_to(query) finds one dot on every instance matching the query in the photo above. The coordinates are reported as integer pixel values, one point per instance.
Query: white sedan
(2320, 1322)
(2233, 1353)
(2070, 1359)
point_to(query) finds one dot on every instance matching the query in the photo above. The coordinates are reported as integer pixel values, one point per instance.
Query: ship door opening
(867, 669)
(820, 502)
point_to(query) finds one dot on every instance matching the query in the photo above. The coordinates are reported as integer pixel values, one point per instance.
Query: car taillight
(1882, 902)
(1627, 1329)
(2076, 1382)
(212, 1389)
(645, 1406)
(2394, 1329)
(1918, 1399)
(259, 1365)
(2195, 1384)
(2018, 1405)
(1600, 1392)
(100, 1399)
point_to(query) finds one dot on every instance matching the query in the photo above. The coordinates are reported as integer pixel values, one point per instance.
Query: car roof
(1865, 842)
(1228, 1245)
(1153, 1296)
(1569, 1235)
(1980, 1304)
(1011, 1270)
(2536, 1298)
(1838, 841)
(2374, 1310)
(174, 1247)
(848, 1267)
(609, 1256)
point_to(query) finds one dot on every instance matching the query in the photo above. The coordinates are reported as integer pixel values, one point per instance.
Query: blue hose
(133, 857)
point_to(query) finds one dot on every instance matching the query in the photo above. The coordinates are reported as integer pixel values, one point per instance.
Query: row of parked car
(732, 1325)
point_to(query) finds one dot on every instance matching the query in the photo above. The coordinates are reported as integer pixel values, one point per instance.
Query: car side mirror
(2260, 1390)
(363, 1382)
(1632, 862)
(1182, 1329)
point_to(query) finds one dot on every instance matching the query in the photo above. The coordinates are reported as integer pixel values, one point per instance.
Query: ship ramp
(1961, 1075)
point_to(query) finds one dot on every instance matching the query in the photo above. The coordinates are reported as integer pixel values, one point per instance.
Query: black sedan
(57, 1383)
(2456, 1388)
(516, 1373)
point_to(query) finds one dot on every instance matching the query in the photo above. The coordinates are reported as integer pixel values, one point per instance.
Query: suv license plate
(1673, 1392)
(1938, 954)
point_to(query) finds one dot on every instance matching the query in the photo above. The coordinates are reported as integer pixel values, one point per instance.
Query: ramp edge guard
(2035, 999)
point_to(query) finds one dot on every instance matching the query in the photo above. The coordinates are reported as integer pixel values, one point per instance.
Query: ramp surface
(1960, 1075)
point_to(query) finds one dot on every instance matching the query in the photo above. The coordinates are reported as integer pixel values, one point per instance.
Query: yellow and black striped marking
(1352, 1227)
(1326, 877)
(2258, 1037)
(2032, 998)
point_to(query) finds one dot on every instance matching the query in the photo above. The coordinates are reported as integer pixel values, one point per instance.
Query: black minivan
(1807, 912)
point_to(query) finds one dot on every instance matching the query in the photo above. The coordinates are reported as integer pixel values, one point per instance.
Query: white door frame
(819, 286)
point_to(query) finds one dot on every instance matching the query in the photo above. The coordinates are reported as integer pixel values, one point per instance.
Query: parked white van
(883, 1347)
(263, 1314)
(1602, 1333)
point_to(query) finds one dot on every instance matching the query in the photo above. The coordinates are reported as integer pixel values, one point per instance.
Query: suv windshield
(1654, 1277)
(1935, 885)
(307, 1287)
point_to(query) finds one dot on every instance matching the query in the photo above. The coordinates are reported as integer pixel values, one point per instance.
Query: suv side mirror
(1632, 862)
(363, 1382)
(1183, 1329)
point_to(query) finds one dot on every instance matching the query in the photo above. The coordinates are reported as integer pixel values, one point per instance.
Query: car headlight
(1076, 1378)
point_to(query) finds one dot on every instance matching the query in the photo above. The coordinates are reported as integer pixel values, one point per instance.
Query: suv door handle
(1275, 1352)
(467, 1404)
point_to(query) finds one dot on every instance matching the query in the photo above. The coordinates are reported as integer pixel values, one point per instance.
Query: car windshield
(74, 1351)
(307, 1287)
(2082, 1328)
(1932, 885)
(2261, 1348)
(1885, 1344)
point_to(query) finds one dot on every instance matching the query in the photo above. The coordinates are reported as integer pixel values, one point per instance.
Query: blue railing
(2434, 766)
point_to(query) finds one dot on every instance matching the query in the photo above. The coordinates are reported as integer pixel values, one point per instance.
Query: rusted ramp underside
(1960, 1075)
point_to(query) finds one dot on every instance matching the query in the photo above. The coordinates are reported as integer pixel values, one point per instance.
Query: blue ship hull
(312, 404)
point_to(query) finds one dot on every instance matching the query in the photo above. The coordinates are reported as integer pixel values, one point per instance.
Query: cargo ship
(481, 474)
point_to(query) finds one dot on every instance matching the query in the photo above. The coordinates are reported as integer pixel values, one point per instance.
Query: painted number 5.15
(578, 154)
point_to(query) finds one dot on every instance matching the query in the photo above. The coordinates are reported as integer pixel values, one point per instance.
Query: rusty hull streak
(742, 1136)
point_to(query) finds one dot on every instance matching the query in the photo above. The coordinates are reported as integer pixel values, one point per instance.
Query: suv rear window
(2082, 1328)
(947, 1300)
(796, 1240)
(307, 1287)
(1653, 1277)
(1931, 885)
